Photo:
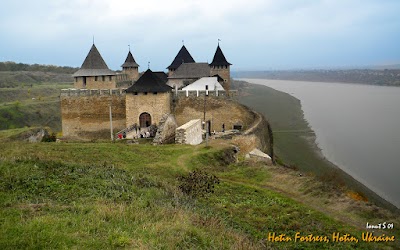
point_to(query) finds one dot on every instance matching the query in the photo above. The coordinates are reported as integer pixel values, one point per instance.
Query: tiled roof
(219, 58)
(149, 82)
(94, 65)
(130, 61)
(183, 56)
(192, 70)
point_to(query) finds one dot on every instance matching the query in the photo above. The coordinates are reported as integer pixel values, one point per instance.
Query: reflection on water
(357, 127)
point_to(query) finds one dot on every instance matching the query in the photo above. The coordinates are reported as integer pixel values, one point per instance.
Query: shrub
(197, 183)
(49, 138)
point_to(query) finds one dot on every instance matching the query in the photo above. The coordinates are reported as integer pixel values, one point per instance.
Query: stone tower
(148, 100)
(221, 67)
(183, 56)
(94, 73)
(130, 68)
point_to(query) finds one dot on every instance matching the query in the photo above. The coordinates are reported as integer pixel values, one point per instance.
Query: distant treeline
(386, 77)
(12, 66)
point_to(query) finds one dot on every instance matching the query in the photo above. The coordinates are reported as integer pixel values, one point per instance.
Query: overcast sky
(255, 34)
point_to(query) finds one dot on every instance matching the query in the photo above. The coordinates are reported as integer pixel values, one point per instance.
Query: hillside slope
(105, 195)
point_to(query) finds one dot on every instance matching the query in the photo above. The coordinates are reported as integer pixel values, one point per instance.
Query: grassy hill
(29, 94)
(117, 195)
(29, 106)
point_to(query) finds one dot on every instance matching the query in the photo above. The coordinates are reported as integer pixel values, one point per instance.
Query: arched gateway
(144, 120)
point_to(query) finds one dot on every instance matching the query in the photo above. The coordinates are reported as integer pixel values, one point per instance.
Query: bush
(197, 183)
(49, 138)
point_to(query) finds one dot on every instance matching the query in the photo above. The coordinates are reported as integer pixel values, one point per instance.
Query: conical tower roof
(183, 56)
(150, 82)
(219, 58)
(94, 65)
(130, 61)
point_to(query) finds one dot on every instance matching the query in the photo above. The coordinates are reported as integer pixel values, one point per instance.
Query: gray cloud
(255, 34)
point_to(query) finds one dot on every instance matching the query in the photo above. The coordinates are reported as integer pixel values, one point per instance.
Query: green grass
(34, 106)
(114, 195)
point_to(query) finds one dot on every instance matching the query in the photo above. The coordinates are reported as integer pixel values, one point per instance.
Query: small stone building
(94, 73)
(148, 100)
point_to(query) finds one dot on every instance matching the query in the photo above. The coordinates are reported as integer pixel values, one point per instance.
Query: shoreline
(322, 80)
(292, 137)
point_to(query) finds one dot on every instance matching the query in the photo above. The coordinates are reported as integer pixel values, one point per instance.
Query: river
(357, 128)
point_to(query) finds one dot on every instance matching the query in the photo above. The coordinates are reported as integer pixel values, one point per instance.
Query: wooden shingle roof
(129, 61)
(191, 70)
(219, 58)
(94, 65)
(183, 56)
(149, 82)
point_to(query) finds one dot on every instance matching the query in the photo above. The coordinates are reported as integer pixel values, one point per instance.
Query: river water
(357, 128)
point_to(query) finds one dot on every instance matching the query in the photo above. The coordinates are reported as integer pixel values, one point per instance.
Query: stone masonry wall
(218, 110)
(224, 73)
(85, 113)
(155, 104)
(91, 83)
(189, 133)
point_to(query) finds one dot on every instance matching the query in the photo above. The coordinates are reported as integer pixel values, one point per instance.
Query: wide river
(357, 128)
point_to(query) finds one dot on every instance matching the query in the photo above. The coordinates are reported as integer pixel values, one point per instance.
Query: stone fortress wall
(86, 114)
(220, 110)
(189, 133)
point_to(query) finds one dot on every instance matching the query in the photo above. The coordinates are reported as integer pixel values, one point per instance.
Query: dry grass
(344, 205)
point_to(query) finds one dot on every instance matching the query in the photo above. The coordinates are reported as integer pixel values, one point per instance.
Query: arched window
(144, 120)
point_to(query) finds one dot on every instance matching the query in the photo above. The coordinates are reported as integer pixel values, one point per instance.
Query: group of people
(138, 132)
(142, 135)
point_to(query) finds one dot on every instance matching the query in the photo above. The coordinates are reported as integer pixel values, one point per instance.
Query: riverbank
(378, 77)
(295, 142)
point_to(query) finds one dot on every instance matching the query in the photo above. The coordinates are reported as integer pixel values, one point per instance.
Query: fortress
(104, 100)
(141, 99)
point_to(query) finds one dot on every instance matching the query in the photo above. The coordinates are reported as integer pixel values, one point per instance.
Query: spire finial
(219, 40)
(129, 46)
(93, 39)
(183, 42)
(148, 65)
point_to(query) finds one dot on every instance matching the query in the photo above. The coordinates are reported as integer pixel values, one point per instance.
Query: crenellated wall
(85, 113)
